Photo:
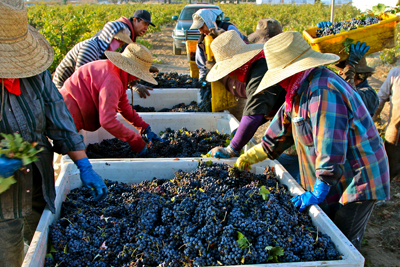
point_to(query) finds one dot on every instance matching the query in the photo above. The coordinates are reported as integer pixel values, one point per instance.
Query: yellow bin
(207, 42)
(378, 36)
(191, 46)
(221, 99)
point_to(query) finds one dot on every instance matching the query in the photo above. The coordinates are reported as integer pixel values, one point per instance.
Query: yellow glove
(252, 156)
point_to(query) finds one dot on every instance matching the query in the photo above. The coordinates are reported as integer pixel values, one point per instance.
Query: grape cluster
(192, 107)
(180, 143)
(342, 26)
(215, 215)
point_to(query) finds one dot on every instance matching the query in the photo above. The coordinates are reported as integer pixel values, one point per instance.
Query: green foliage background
(66, 25)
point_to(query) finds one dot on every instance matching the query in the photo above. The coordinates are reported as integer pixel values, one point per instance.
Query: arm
(109, 98)
(247, 128)
(200, 59)
(232, 27)
(87, 53)
(384, 93)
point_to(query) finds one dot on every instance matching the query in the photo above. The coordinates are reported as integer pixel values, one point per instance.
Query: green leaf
(52, 249)
(378, 9)
(242, 241)
(274, 252)
(48, 255)
(264, 192)
(65, 250)
(5, 183)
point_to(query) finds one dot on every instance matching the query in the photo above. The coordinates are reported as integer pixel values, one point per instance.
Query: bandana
(242, 72)
(291, 85)
(209, 16)
(114, 45)
(12, 85)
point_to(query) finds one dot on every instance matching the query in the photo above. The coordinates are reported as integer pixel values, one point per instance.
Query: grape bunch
(180, 143)
(342, 26)
(215, 215)
(181, 107)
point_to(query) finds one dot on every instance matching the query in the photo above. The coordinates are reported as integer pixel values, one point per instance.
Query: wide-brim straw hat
(136, 60)
(230, 53)
(361, 67)
(289, 53)
(123, 37)
(24, 52)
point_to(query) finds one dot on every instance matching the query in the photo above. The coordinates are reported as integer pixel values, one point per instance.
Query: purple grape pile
(342, 26)
(192, 107)
(180, 143)
(215, 215)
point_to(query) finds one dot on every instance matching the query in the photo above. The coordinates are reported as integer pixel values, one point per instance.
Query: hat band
(19, 37)
(296, 57)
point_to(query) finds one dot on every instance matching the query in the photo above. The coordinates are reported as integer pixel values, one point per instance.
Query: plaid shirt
(37, 114)
(335, 138)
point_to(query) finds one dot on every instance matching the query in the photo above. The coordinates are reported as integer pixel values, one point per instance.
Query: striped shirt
(37, 114)
(87, 51)
(336, 140)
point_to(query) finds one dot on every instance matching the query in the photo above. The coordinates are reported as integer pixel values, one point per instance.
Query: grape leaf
(264, 192)
(273, 253)
(5, 183)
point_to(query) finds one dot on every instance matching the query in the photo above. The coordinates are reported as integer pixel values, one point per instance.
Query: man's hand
(153, 69)
(324, 24)
(223, 152)
(9, 166)
(252, 156)
(151, 135)
(308, 198)
(91, 179)
(142, 90)
(357, 51)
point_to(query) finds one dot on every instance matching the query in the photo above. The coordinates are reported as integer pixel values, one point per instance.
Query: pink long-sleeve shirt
(95, 93)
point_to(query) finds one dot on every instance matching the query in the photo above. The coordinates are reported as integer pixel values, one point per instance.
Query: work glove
(91, 179)
(324, 24)
(223, 152)
(215, 32)
(9, 166)
(144, 152)
(308, 198)
(357, 51)
(151, 135)
(202, 82)
(142, 90)
(153, 69)
(252, 156)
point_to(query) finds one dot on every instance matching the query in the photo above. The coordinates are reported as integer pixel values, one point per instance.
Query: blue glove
(324, 24)
(9, 166)
(151, 135)
(144, 152)
(308, 198)
(223, 152)
(91, 179)
(357, 52)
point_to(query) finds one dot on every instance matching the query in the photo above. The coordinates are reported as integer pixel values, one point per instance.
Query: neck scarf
(291, 85)
(12, 85)
(242, 72)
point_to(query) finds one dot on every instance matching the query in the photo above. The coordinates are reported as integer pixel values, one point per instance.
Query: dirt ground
(381, 243)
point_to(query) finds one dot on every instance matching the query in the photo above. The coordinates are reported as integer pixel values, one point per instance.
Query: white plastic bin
(136, 170)
(165, 98)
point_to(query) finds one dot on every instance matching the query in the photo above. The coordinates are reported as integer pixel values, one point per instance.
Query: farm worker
(266, 28)
(343, 164)
(96, 92)
(209, 22)
(104, 40)
(32, 107)
(390, 92)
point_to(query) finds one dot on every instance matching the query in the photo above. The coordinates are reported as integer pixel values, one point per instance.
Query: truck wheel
(177, 51)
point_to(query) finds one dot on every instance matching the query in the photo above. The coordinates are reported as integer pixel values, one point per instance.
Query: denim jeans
(291, 164)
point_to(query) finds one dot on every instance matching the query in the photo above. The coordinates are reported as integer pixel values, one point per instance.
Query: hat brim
(307, 61)
(197, 24)
(123, 38)
(224, 67)
(149, 22)
(27, 57)
(130, 66)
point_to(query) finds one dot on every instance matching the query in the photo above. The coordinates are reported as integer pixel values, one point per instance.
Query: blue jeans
(291, 164)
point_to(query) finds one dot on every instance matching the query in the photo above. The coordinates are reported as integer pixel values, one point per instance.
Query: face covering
(12, 85)
(242, 72)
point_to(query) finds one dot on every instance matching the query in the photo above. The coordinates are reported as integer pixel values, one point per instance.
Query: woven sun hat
(198, 22)
(361, 67)
(24, 52)
(123, 37)
(289, 53)
(136, 60)
(230, 53)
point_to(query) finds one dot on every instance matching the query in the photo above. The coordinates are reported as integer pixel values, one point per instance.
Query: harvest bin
(378, 36)
(165, 98)
(134, 171)
(159, 121)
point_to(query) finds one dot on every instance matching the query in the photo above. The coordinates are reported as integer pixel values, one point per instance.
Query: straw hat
(136, 60)
(123, 37)
(24, 52)
(230, 53)
(287, 54)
